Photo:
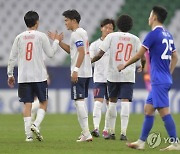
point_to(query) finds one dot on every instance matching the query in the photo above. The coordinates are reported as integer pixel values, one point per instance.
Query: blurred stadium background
(92, 12)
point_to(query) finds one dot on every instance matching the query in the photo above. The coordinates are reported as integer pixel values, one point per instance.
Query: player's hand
(52, 35)
(55, 35)
(11, 81)
(139, 69)
(120, 67)
(59, 37)
(74, 77)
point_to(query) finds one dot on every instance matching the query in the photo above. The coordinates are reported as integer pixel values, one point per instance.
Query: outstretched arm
(97, 57)
(138, 55)
(63, 45)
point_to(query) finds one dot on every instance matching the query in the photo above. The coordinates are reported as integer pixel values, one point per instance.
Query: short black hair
(124, 23)
(108, 21)
(31, 18)
(160, 12)
(72, 14)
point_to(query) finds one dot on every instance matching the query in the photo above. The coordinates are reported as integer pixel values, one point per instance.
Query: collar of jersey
(158, 27)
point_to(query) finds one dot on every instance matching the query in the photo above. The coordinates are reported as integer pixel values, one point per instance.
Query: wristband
(76, 69)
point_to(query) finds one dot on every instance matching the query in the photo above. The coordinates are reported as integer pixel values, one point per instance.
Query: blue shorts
(100, 90)
(27, 91)
(121, 90)
(158, 96)
(79, 90)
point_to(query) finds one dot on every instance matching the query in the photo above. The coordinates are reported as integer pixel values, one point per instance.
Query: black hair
(124, 23)
(31, 18)
(72, 14)
(160, 12)
(108, 21)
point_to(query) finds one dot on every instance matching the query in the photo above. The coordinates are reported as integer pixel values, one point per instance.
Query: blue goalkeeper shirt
(160, 44)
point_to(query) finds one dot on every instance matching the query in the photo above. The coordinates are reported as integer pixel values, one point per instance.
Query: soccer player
(122, 46)
(100, 79)
(28, 48)
(163, 59)
(81, 69)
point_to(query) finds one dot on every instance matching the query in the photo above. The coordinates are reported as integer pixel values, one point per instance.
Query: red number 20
(29, 48)
(128, 50)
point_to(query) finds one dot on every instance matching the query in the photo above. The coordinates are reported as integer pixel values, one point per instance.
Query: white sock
(82, 116)
(35, 107)
(106, 126)
(39, 117)
(27, 126)
(97, 114)
(112, 116)
(125, 111)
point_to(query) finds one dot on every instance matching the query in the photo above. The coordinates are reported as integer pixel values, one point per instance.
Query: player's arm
(174, 60)
(74, 77)
(138, 55)
(48, 49)
(143, 61)
(11, 63)
(63, 45)
(98, 56)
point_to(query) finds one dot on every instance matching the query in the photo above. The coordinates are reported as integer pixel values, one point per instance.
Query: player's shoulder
(79, 31)
(40, 33)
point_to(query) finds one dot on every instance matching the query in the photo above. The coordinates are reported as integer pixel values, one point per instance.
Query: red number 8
(29, 48)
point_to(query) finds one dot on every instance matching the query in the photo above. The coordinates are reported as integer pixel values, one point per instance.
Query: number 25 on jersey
(29, 48)
(123, 51)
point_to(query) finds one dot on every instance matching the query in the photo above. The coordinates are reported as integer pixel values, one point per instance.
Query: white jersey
(80, 37)
(100, 66)
(122, 46)
(29, 47)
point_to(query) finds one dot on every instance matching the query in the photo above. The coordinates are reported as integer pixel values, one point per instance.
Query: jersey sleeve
(149, 39)
(106, 43)
(13, 57)
(78, 40)
(48, 49)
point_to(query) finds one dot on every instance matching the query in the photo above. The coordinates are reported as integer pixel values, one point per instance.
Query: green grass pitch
(60, 132)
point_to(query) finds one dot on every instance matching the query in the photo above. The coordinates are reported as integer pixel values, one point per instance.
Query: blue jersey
(160, 44)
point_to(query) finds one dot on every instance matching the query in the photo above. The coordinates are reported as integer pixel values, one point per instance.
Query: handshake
(55, 36)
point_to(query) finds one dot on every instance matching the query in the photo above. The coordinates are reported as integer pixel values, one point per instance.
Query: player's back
(122, 47)
(31, 66)
(160, 49)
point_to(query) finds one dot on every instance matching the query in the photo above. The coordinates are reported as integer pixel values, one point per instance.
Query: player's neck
(32, 28)
(155, 24)
(76, 26)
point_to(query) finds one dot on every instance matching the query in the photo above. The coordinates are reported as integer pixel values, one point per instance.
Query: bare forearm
(138, 55)
(97, 57)
(65, 47)
(132, 60)
(173, 65)
(174, 60)
(80, 59)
